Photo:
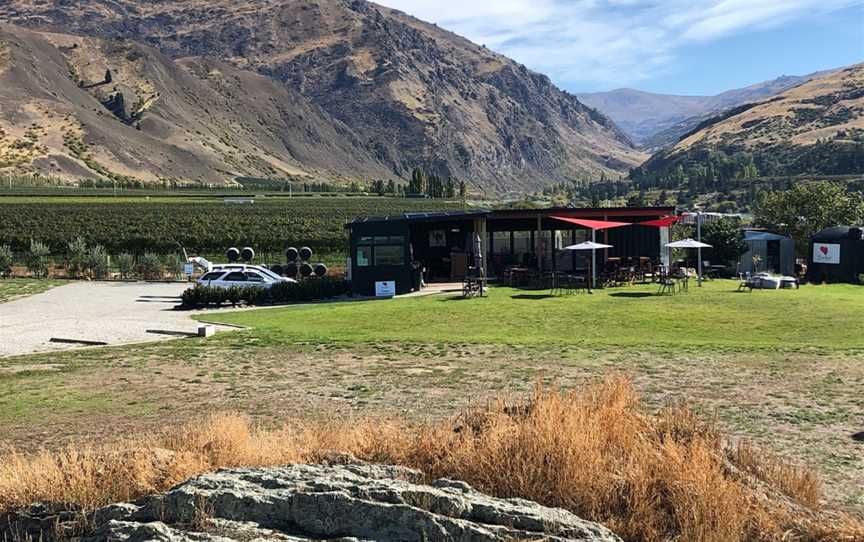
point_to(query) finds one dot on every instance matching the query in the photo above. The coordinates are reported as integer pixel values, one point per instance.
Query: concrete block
(206, 331)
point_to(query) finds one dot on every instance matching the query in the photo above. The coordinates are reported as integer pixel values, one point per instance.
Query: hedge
(280, 293)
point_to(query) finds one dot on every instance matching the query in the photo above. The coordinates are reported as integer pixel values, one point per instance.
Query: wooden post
(485, 244)
(538, 244)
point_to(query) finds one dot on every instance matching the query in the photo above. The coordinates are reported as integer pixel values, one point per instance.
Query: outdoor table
(710, 272)
(789, 282)
(518, 276)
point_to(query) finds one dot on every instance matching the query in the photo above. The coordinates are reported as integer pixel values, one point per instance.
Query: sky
(690, 47)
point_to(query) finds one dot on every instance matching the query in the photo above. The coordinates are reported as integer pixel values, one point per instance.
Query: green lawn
(715, 316)
(15, 288)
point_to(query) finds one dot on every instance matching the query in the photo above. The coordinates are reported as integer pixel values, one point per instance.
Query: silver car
(226, 276)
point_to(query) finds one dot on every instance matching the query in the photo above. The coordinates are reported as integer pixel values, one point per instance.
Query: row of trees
(712, 168)
(93, 261)
(434, 187)
(807, 208)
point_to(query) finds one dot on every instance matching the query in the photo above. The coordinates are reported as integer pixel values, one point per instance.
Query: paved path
(110, 312)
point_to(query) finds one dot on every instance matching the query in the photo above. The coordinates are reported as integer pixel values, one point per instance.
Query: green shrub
(77, 257)
(37, 258)
(234, 295)
(150, 266)
(98, 262)
(174, 265)
(5, 260)
(281, 293)
(125, 264)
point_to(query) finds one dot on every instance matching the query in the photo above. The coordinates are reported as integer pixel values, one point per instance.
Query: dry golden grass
(594, 451)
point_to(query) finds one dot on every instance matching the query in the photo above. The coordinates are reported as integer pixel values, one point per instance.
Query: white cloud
(605, 42)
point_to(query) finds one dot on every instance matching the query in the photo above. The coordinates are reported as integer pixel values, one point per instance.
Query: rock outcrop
(338, 502)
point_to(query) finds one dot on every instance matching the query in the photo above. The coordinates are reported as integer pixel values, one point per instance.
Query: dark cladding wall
(365, 244)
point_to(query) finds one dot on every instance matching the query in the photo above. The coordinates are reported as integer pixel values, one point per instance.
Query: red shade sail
(591, 224)
(664, 222)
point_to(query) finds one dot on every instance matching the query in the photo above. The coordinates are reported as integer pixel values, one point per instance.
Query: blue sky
(667, 46)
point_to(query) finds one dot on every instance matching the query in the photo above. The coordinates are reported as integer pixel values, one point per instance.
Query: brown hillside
(816, 128)
(413, 93)
(198, 120)
(815, 110)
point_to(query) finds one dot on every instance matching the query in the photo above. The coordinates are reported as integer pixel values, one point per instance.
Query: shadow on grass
(633, 294)
(531, 296)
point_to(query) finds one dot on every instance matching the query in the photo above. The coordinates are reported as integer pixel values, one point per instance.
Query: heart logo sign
(824, 250)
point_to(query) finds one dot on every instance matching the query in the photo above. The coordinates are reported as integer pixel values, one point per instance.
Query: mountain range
(654, 121)
(815, 128)
(207, 91)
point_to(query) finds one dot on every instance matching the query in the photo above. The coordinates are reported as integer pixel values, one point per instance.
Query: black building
(836, 255)
(443, 244)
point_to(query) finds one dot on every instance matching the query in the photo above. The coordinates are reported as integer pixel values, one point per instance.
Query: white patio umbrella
(690, 243)
(592, 246)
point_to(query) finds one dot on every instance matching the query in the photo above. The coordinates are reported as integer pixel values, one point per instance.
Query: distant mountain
(342, 87)
(814, 128)
(658, 120)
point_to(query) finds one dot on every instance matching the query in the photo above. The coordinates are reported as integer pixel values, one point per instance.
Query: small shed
(776, 253)
(837, 255)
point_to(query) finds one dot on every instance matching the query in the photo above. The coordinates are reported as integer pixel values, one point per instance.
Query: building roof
(758, 235)
(572, 212)
(839, 233)
(422, 217)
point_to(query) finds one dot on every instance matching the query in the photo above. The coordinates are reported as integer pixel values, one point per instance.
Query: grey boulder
(336, 503)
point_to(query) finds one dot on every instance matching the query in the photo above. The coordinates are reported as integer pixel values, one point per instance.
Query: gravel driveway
(108, 312)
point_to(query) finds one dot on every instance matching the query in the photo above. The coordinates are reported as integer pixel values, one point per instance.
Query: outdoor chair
(667, 285)
(474, 283)
(744, 282)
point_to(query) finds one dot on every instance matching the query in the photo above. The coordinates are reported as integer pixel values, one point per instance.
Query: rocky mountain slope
(814, 128)
(300, 503)
(76, 107)
(413, 94)
(654, 120)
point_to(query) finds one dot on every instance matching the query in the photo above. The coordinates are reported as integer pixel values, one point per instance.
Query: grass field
(714, 316)
(14, 288)
(779, 367)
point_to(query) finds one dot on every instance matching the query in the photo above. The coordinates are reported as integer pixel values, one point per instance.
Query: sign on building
(826, 253)
(385, 288)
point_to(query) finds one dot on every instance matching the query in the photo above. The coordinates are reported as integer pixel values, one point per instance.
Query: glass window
(213, 275)
(365, 241)
(501, 242)
(389, 255)
(253, 277)
(364, 256)
(236, 276)
(389, 239)
(522, 249)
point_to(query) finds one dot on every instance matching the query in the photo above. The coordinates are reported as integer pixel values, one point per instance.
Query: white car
(225, 276)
